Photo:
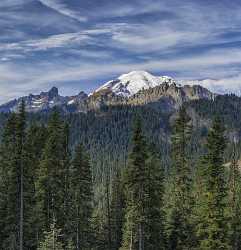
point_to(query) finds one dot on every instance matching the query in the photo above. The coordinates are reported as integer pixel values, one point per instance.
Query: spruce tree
(21, 161)
(19, 185)
(81, 203)
(117, 211)
(155, 203)
(133, 231)
(108, 212)
(234, 202)
(50, 184)
(8, 207)
(66, 161)
(27, 193)
(52, 239)
(212, 224)
(142, 199)
(179, 226)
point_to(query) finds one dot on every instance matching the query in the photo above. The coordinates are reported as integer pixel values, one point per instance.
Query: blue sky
(79, 44)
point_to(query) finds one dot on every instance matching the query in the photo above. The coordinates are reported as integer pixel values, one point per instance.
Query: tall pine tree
(81, 202)
(52, 239)
(143, 197)
(117, 205)
(18, 231)
(212, 224)
(8, 186)
(50, 184)
(179, 226)
(234, 202)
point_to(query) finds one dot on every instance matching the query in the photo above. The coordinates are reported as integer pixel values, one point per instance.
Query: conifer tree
(35, 141)
(81, 203)
(50, 185)
(155, 213)
(19, 185)
(234, 202)
(66, 161)
(212, 224)
(27, 185)
(133, 231)
(179, 226)
(8, 209)
(108, 212)
(140, 197)
(51, 239)
(21, 161)
(116, 211)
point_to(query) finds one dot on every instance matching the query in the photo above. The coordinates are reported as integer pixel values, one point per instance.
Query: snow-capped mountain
(129, 84)
(134, 88)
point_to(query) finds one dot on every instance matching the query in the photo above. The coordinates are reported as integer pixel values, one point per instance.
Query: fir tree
(155, 213)
(66, 161)
(179, 225)
(117, 211)
(50, 185)
(212, 224)
(8, 207)
(234, 202)
(51, 239)
(19, 193)
(140, 196)
(81, 203)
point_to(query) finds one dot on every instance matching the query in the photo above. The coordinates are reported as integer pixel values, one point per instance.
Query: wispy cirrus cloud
(57, 42)
(62, 8)
(27, 78)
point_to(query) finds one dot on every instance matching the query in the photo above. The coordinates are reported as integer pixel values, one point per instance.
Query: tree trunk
(131, 243)
(140, 237)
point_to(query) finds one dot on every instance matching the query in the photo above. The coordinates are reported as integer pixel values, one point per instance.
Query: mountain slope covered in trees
(146, 173)
(49, 198)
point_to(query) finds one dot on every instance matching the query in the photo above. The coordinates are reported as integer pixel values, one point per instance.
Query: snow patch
(129, 84)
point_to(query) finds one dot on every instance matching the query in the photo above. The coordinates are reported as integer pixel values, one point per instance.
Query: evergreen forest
(125, 178)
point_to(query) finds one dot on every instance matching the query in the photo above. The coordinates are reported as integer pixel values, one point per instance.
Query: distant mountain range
(134, 88)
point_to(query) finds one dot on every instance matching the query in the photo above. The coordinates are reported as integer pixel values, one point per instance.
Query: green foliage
(17, 186)
(143, 206)
(179, 226)
(52, 239)
(212, 227)
(51, 177)
(81, 200)
(234, 202)
(117, 206)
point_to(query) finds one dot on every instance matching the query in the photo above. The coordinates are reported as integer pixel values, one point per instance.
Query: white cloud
(63, 9)
(54, 41)
(19, 80)
(225, 85)
(184, 26)
(13, 3)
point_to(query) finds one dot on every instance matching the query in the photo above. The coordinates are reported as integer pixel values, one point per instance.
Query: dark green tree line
(50, 199)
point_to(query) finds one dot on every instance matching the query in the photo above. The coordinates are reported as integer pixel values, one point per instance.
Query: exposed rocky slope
(134, 88)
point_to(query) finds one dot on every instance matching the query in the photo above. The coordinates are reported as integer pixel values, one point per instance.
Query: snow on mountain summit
(131, 83)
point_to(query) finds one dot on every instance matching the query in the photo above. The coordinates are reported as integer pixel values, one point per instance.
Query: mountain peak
(129, 84)
(53, 92)
(136, 73)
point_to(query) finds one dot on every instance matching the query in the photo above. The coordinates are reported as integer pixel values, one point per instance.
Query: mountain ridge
(133, 88)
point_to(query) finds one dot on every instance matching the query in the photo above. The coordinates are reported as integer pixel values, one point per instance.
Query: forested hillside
(122, 177)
